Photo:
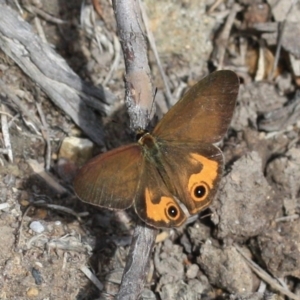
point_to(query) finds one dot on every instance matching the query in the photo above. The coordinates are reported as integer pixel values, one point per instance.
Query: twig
(98, 8)
(214, 6)
(44, 15)
(20, 229)
(13, 118)
(6, 113)
(287, 218)
(223, 38)
(65, 259)
(40, 29)
(3, 151)
(262, 287)
(266, 277)
(139, 102)
(154, 49)
(5, 133)
(38, 169)
(19, 6)
(137, 80)
(61, 208)
(45, 133)
(20, 106)
(93, 19)
(279, 42)
(260, 64)
(87, 272)
(114, 66)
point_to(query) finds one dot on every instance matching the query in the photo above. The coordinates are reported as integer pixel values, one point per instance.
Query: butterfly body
(174, 169)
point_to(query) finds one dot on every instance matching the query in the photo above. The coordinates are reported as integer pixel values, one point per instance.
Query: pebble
(77, 150)
(37, 226)
(192, 271)
(32, 292)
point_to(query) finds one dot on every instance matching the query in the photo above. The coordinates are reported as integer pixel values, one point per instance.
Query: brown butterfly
(177, 168)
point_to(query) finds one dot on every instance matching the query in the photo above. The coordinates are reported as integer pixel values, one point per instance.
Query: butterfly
(174, 171)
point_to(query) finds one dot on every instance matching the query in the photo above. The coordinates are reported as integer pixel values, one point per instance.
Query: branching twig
(139, 103)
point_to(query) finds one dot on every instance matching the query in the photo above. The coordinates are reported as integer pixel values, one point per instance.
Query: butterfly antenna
(153, 100)
(152, 106)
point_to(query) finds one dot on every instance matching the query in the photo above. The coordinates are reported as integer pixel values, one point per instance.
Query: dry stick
(223, 38)
(116, 61)
(265, 276)
(40, 29)
(137, 80)
(98, 8)
(139, 103)
(5, 133)
(279, 43)
(38, 169)
(87, 272)
(44, 15)
(20, 107)
(45, 133)
(214, 6)
(154, 49)
(19, 7)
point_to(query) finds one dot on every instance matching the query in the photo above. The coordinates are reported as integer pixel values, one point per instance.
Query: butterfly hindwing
(194, 171)
(111, 179)
(154, 203)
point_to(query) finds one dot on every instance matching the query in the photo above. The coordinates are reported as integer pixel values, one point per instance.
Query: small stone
(77, 150)
(192, 271)
(24, 203)
(32, 292)
(4, 206)
(37, 226)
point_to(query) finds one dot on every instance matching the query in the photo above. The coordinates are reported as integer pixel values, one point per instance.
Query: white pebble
(37, 226)
(4, 206)
(192, 271)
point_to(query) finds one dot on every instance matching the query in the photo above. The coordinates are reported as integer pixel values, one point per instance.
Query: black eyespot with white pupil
(172, 211)
(200, 191)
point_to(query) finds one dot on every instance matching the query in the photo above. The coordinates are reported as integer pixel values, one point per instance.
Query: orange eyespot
(172, 212)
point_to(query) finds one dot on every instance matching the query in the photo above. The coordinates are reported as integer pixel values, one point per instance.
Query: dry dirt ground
(246, 245)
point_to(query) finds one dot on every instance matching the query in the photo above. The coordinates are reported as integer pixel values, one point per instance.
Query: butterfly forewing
(203, 114)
